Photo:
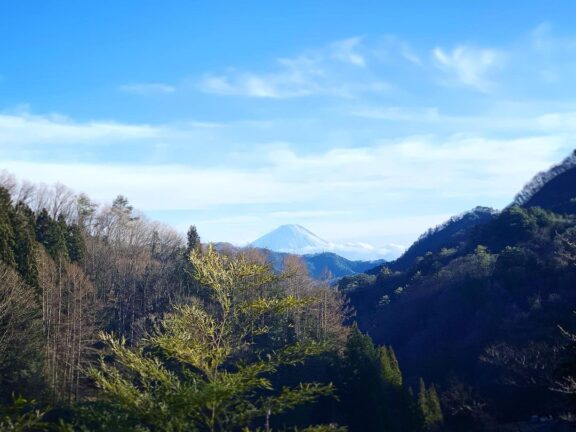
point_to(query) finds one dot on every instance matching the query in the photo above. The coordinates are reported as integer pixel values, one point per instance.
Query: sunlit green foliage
(429, 406)
(22, 416)
(389, 367)
(202, 370)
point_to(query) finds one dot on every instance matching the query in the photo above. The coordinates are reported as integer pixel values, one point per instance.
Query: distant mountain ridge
(297, 240)
(338, 266)
(320, 265)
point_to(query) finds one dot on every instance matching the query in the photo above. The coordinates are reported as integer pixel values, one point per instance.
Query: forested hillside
(112, 322)
(485, 314)
(70, 267)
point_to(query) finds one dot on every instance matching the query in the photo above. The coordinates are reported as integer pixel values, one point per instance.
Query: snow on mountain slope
(298, 240)
(292, 239)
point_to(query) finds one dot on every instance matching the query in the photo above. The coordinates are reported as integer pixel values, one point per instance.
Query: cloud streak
(469, 66)
(146, 89)
(338, 70)
(23, 128)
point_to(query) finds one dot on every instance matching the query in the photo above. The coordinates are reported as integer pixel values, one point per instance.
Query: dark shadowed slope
(319, 264)
(553, 190)
(450, 234)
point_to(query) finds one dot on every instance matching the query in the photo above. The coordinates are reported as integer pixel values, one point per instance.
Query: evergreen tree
(385, 366)
(429, 407)
(52, 234)
(7, 242)
(86, 210)
(193, 242)
(389, 367)
(396, 372)
(422, 400)
(25, 247)
(75, 243)
(123, 210)
(362, 387)
(435, 410)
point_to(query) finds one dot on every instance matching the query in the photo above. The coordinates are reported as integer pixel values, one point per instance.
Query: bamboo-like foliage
(210, 366)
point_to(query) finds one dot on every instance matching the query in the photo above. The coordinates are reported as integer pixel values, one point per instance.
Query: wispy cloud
(147, 88)
(347, 51)
(469, 66)
(506, 121)
(296, 79)
(403, 169)
(544, 40)
(23, 128)
(340, 70)
(372, 67)
(390, 48)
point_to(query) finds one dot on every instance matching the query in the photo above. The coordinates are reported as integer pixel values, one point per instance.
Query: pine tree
(86, 210)
(435, 410)
(75, 243)
(52, 234)
(429, 407)
(25, 247)
(6, 230)
(395, 366)
(423, 402)
(122, 209)
(193, 240)
(385, 366)
(389, 368)
(362, 391)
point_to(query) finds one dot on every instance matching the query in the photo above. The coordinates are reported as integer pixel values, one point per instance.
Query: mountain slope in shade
(553, 190)
(492, 302)
(450, 234)
(338, 266)
(297, 240)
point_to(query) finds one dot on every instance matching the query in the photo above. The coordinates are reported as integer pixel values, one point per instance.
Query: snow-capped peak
(296, 239)
(292, 239)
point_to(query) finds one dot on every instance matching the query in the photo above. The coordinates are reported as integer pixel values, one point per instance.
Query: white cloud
(545, 41)
(147, 88)
(25, 128)
(391, 48)
(354, 251)
(347, 51)
(291, 215)
(468, 65)
(457, 167)
(285, 84)
(395, 113)
(336, 70)
(413, 174)
(505, 120)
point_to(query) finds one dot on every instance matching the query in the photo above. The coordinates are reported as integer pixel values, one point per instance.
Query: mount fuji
(295, 239)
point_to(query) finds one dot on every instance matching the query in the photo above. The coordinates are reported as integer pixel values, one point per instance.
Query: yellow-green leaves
(209, 365)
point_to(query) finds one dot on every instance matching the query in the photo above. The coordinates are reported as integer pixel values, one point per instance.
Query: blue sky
(363, 121)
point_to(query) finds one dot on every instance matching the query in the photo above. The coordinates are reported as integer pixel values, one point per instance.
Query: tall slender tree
(6, 230)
